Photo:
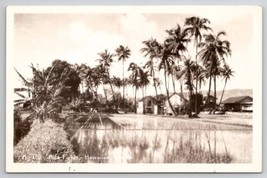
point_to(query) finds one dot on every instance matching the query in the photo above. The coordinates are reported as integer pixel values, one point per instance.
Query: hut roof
(236, 99)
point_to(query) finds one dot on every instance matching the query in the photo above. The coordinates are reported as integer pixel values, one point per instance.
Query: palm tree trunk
(154, 82)
(208, 95)
(181, 91)
(123, 85)
(135, 109)
(173, 84)
(167, 91)
(196, 103)
(143, 100)
(214, 109)
(105, 92)
(190, 92)
(157, 97)
(113, 94)
(223, 91)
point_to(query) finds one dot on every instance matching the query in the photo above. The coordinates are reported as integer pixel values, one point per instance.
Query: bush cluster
(21, 126)
(45, 143)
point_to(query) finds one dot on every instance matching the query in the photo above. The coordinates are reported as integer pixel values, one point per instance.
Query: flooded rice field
(101, 138)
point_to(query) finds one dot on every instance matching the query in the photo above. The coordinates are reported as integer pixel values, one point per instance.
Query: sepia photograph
(134, 89)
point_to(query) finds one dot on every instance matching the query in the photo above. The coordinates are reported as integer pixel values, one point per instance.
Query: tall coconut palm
(144, 82)
(194, 26)
(176, 43)
(93, 80)
(123, 53)
(157, 83)
(135, 79)
(213, 50)
(105, 61)
(150, 50)
(187, 74)
(172, 72)
(226, 73)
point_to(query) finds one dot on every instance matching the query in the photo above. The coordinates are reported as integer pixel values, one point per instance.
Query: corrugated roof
(236, 99)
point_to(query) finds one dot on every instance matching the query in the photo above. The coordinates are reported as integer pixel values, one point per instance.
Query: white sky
(78, 38)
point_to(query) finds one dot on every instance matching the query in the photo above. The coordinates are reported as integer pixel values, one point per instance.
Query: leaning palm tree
(213, 51)
(226, 73)
(166, 59)
(123, 53)
(194, 26)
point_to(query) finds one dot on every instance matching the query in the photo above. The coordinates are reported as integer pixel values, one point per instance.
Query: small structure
(239, 103)
(177, 101)
(210, 102)
(150, 105)
(146, 105)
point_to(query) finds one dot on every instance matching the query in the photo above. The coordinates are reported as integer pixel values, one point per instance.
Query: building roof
(236, 99)
(162, 97)
(179, 94)
(147, 97)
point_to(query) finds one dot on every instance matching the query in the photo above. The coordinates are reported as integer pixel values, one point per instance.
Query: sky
(40, 38)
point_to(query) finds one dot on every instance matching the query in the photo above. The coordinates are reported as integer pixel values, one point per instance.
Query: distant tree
(150, 50)
(226, 73)
(105, 61)
(187, 74)
(135, 79)
(123, 53)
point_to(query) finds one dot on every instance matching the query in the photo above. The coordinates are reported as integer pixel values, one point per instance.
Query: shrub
(21, 126)
(45, 143)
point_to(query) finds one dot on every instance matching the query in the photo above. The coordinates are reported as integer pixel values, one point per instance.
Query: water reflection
(162, 146)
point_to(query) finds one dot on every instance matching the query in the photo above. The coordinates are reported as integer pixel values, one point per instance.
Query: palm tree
(198, 74)
(135, 79)
(194, 27)
(166, 61)
(123, 53)
(150, 50)
(226, 73)
(46, 92)
(82, 71)
(157, 83)
(172, 72)
(104, 66)
(176, 41)
(187, 74)
(144, 82)
(202, 75)
(213, 50)
(93, 80)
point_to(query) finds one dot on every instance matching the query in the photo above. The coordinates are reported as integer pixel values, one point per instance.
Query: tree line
(61, 81)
